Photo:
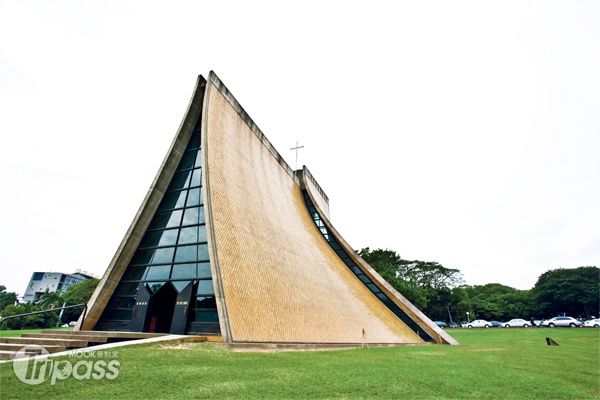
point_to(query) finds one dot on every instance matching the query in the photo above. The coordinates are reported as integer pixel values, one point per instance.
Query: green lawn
(497, 363)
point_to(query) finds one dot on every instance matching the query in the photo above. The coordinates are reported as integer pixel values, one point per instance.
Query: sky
(464, 132)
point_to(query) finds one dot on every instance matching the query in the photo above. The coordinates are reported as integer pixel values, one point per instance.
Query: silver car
(562, 321)
(517, 322)
(479, 323)
(592, 323)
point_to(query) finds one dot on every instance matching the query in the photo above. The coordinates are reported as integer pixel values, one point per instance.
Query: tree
(79, 293)
(46, 320)
(426, 284)
(574, 292)
(50, 299)
(429, 274)
(6, 298)
(496, 302)
(386, 263)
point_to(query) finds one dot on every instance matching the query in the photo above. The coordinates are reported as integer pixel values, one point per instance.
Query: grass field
(497, 363)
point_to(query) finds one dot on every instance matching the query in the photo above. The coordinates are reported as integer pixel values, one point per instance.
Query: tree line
(78, 293)
(439, 292)
(442, 294)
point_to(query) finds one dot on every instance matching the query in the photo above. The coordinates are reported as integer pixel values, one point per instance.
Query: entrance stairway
(55, 341)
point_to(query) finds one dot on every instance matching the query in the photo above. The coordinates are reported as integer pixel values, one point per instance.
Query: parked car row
(522, 323)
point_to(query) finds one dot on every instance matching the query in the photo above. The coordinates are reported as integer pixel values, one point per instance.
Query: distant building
(53, 281)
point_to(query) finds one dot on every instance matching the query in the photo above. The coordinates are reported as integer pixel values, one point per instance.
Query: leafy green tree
(46, 320)
(429, 274)
(458, 304)
(428, 285)
(50, 300)
(79, 293)
(386, 263)
(496, 302)
(6, 298)
(574, 292)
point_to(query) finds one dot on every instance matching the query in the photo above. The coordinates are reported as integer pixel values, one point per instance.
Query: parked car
(453, 325)
(592, 323)
(496, 324)
(562, 321)
(479, 323)
(517, 322)
(72, 323)
(463, 324)
(441, 324)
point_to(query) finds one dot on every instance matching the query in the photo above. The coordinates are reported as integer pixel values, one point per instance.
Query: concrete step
(109, 334)
(272, 347)
(9, 355)
(18, 346)
(89, 337)
(8, 350)
(44, 341)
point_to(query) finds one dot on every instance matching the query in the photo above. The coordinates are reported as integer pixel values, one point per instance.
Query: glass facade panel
(160, 238)
(372, 287)
(182, 271)
(126, 289)
(163, 256)
(187, 161)
(207, 316)
(121, 302)
(173, 200)
(186, 253)
(204, 270)
(159, 272)
(134, 273)
(154, 286)
(194, 140)
(201, 219)
(206, 287)
(193, 197)
(180, 285)
(181, 180)
(189, 235)
(169, 219)
(198, 160)
(202, 235)
(190, 217)
(202, 252)
(196, 178)
(206, 302)
(142, 257)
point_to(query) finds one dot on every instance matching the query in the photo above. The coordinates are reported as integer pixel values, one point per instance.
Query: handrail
(45, 311)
